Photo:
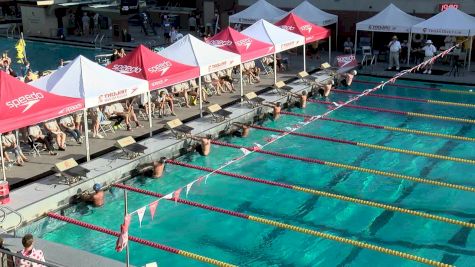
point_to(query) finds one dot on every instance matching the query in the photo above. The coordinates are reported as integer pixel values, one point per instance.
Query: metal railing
(4, 212)
(18, 255)
(98, 41)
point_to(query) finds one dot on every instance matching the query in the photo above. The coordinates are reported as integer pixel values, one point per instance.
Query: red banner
(346, 61)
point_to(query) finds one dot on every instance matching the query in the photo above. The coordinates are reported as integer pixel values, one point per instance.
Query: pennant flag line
(153, 208)
(140, 213)
(188, 187)
(176, 194)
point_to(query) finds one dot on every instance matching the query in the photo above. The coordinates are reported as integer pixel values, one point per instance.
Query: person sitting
(346, 79)
(111, 114)
(36, 135)
(67, 124)
(30, 252)
(114, 56)
(226, 80)
(252, 72)
(53, 128)
(164, 99)
(30, 76)
(9, 142)
(96, 197)
(143, 104)
(129, 106)
(215, 81)
(280, 65)
(348, 46)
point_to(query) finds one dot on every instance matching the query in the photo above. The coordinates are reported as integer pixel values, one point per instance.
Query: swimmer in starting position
(96, 197)
(159, 167)
(204, 148)
(244, 129)
(277, 107)
(325, 89)
(346, 79)
(302, 97)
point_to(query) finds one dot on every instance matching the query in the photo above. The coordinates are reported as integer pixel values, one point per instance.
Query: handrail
(18, 255)
(100, 40)
(2, 209)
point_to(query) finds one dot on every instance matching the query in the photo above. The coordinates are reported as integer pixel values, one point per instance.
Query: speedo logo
(26, 101)
(244, 42)
(307, 28)
(126, 69)
(219, 43)
(163, 67)
(70, 109)
(288, 27)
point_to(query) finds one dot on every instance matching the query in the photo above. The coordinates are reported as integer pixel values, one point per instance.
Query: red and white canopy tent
(159, 71)
(24, 105)
(236, 42)
(93, 83)
(311, 32)
(192, 51)
(280, 38)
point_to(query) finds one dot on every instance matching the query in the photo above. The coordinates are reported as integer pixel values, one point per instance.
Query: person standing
(5, 259)
(429, 51)
(85, 24)
(30, 252)
(394, 50)
(192, 23)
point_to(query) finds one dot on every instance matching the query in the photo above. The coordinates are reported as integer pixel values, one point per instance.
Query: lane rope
(326, 194)
(292, 227)
(383, 127)
(361, 144)
(399, 112)
(139, 240)
(450, 91)
(351, 167)
(411, 99)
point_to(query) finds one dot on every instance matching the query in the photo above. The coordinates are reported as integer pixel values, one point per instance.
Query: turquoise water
(248, 243)
(46, 56)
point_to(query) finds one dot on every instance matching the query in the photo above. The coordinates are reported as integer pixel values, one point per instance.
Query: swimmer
(303, 98)
(244, 129)
(158, 167)
(97, 197)
(204, 148)
(347, 78)
(325, 90)
(277, 107)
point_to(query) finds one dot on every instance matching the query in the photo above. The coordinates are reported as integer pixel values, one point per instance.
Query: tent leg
(409, 49)
(200, 94)
(275, 68)
(86, 135)
(240, 81)
(470, 54)
(356, 42)
(372, 39)
(3, 159)
(336, 37)
(304, 59)
(330, 50)
(150, 122)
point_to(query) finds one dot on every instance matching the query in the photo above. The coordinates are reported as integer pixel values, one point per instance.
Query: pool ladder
(4, 213)
(98, 41)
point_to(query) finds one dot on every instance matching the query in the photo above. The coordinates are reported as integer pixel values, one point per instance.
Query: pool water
(247, 243)
(45, 56)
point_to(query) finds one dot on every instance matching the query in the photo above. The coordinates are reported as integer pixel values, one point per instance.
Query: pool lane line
(399, 112)
(140, 240)
(327, 194)
(351, 167)
(291, 227)
(361, 144)
(388, 128)
(449, 91)
(411, 99)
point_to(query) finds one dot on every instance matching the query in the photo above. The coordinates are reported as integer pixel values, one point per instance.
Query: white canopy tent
(97, 85)
(451, 22)
(192, 51)
(390, 19)
(259, 10)
(280, 38)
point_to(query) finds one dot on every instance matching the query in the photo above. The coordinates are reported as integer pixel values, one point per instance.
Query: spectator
(348, 46)
(164, 99)
(97, 118)
(429, 51)
(192, 23)
(166, 28)
(36, 135)
(121, 53)
(115, 55)
(173, 34)
(394, 50)
(5, 260)
(10, 143)
(53, 129)
(85, 24)
(67, 123)
(30, 252)
(449, 41)
(95, 19)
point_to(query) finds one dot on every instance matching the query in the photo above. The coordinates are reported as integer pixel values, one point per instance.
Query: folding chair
(130, 148)
(368, 57)
(71, 171)
(281, 88)
(253, 100)
(218, 113)
(36, 147)
(208, 86)
(105, 125)
(178, 129)
(267, 69)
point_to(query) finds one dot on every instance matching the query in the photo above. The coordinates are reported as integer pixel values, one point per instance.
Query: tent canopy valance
(159, 71)
(236, 42)
(390, 19)
(95, 84)
(451, 22)
(313, 14)
(269, 33)
(259, 10)
(297, 25)
(24, 105)
(192, 51)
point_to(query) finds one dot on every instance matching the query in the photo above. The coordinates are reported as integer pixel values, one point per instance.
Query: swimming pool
(36, 53)
(247, 243)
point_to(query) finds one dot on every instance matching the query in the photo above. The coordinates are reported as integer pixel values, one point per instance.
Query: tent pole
(240, 81)
(330, 50)
(372, 40)
(200, 94)
(409, 48)
(304, 59)
(86, 135)
(336, 36)
(470, 53)
(275, 68)
(150, 123)
(3, 159)
(356, 42)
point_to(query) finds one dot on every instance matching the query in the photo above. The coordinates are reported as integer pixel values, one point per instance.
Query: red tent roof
(295, 24)
(23, 105)
(236, 42)
(159, 71)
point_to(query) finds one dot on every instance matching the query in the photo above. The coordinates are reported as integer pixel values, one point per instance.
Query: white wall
(38, 21)
(418, 6)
